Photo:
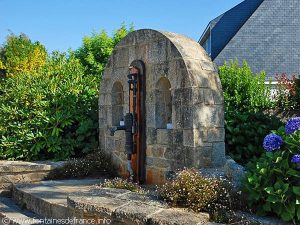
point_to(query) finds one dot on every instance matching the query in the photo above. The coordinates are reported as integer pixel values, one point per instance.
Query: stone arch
(163, 106)
(197, 137)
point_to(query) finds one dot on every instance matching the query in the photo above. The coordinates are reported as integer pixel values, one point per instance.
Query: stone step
(81, 199)
(24, 172)
(49, 198)
(125, 207)
(10, 167)
(22, 177)
(11, 214)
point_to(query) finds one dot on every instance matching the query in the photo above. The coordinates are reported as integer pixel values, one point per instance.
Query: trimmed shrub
(192, 190)
(93, 164)
(51, 115)
(245, 132)
(272, 183)
(243, 90)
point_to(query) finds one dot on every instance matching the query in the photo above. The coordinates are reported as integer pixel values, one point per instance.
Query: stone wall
(13, 172)
(194, 108)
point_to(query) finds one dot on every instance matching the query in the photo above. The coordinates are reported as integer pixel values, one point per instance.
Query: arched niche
(163, 106)
(117, 100)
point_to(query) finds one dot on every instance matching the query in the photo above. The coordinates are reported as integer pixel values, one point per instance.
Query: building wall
(269, 40)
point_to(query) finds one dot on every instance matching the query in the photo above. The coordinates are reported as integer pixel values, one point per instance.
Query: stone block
(216, 134)
(173, 52)
(157, 51)
(110, 143)
(120, 57)
(197, 96)
(138, 53)
(160, 69)
(150, 98)
(23, 177)
(145, 36)
(218, 97)
(178, 216)
(189, 156)
(134, 213)
(175, 153)
(234, 172)
(150, 116)
(158, 162)
(164, 137)
(177, 137)
(102, 99)
(156, 151)
(200, 135)
(119, 74)
(187, 97)
(188, 138)
(203, 156)
(151, 135)
(188, 117)
(208, 116)
(208, 96)
(155, 175)
(207, 65)
(12, 167)
(120, 145)
(101, 206)
(218, 154)
(177, 117)
(177, 97)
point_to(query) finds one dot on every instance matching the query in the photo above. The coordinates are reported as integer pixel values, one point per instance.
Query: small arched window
(163, 110)
(117, 95)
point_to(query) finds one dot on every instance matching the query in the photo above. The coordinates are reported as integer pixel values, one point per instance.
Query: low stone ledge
(178, 216)
(134, 212)
(14, 172)
(23, 177)
(131, 208)
(21, 166)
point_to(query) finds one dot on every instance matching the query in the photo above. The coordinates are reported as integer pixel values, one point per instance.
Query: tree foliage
(48, 104)
(51, 115)
(96, 49)
(243, 90)
(20, 55)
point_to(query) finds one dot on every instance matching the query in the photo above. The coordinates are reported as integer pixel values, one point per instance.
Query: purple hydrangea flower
(296, 159)
(272, 142)
(292, 125)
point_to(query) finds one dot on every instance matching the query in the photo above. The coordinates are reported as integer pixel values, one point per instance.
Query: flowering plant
(272, 183)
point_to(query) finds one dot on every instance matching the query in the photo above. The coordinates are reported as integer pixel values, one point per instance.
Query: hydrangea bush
(272, 183)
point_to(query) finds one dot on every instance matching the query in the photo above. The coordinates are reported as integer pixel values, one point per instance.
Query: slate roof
(225, 26)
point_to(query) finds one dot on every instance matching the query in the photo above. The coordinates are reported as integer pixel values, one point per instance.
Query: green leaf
(269, 190)
(296, 190)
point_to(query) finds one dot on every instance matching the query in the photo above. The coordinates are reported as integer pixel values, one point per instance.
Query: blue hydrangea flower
(272, 142)
(292, 125)
(296, 159)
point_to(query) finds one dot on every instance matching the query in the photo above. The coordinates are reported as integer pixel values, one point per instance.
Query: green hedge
(51, 115)
(245, 132)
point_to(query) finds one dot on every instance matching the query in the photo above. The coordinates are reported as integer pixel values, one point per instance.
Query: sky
(61, 24)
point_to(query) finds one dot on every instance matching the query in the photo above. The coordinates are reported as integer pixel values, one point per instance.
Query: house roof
(224, 27)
